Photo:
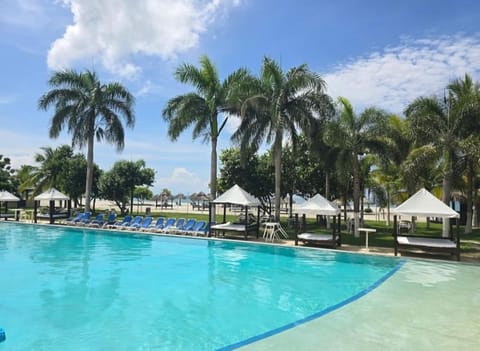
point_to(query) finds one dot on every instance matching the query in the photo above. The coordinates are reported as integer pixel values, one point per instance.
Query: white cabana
(6, 197)
(319, 205)
(235, 196)
(52, 195)
(424, 204)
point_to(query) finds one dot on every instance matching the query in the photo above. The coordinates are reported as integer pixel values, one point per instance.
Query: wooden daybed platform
(234, 228)
(424, 204)
(427, 243)
(326, 240)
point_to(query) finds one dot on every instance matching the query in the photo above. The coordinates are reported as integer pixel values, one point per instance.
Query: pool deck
(423, 306)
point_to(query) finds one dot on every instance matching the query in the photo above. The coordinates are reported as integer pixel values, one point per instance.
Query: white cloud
(181, 180)
(116, 31)
(394, 77)
(6, 99)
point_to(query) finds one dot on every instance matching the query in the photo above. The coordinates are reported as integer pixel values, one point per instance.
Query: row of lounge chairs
(140, 223)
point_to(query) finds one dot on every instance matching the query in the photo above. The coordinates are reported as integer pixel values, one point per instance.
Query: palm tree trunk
(470, 175)
(446, 188)
(356, 194)
(213, 176)
(88, 186)
(327, 193)
(278, 171)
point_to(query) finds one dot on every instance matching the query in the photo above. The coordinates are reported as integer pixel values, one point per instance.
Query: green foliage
(120, 182)
(8, 181)
(255, 175)
(142, 193)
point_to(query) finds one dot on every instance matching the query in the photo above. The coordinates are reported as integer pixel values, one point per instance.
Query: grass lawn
(470, 243)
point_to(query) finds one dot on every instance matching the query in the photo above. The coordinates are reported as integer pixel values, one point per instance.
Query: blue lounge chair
(158, 225)
(85, 220)
(144, 224)
(136, 221)
(126, 219)
(75, 219)
(198, 229)
(112, 217)
(169, 224)
(189, 224)
(178, 225)
(97, 222)
(202, 231)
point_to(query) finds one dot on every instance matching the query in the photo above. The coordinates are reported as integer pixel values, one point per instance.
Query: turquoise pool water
(77, 289)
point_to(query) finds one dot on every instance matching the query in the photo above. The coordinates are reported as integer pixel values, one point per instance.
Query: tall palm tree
(440, 126)
(201, 109)
(465, 95)
(88, 110)
(354, 136)
(279, 103)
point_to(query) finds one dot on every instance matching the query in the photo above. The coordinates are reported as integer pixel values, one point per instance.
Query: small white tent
(425, 204)
(51, 195)
(237, 196)
(319, 205)
(6, 196)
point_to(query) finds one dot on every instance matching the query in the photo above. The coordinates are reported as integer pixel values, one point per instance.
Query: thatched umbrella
(180, 197)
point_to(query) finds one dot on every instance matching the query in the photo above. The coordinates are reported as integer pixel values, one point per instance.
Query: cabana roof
(237, 196)
(319, 205)
(6, 196)
(425, 204)
(51, 194)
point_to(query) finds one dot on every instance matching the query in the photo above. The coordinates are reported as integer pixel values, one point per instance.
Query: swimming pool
(81, 289)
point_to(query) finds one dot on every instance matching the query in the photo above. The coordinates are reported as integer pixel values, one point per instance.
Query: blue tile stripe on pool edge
(315, 315)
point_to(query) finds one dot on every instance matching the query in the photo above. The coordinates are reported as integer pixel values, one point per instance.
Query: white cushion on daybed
(440, 243)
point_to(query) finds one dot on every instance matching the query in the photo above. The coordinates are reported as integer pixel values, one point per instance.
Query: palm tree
(354, 136)
(201, 109)
(88, 110)
(278, 104)
(387, 174)
(465, 95)
(439, 126)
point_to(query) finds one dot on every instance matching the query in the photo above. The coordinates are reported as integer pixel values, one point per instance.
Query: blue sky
(382, 53)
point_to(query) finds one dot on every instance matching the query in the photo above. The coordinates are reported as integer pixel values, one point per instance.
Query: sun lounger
(158, 225)
(136, 221)
(112, 217)
(189, 224)
(167, 225)
(96, 222)
(174, 227)
(118, 224)
(200, 228)
(73, 220)
(143, 224)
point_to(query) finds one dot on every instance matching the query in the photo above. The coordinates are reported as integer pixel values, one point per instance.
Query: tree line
(315, 143)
